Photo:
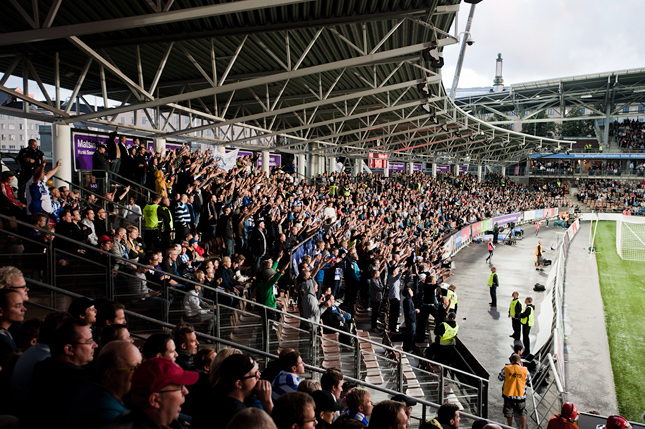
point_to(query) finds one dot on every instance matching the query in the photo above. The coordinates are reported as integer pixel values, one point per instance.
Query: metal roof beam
(208, 92)
(125, 23)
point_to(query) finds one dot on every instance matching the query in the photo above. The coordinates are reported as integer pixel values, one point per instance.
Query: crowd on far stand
(212, 227)
(630, 134)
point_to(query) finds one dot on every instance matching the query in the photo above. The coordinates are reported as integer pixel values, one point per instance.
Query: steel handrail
(98, 196)
(262, 353)
(316, 325)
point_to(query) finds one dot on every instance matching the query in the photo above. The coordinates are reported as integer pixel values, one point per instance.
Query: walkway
(486, 330)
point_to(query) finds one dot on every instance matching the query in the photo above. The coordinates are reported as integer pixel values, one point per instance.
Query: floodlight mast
(462, 51)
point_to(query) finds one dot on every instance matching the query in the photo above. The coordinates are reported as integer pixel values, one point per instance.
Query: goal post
(630, 239)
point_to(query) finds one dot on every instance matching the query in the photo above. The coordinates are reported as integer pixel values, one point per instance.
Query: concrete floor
(485, 330)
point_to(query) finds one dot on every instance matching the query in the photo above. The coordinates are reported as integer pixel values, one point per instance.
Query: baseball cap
(325, 401)
(236, 366)
(156, 373)
(79, 305)
(409, 402)
(104, 238)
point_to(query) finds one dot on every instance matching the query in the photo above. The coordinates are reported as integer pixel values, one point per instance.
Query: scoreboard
(378, 160)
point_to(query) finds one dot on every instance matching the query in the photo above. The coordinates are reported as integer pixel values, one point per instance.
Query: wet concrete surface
(485, 330)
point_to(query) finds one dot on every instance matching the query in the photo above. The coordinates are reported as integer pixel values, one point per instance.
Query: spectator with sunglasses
(100, 404)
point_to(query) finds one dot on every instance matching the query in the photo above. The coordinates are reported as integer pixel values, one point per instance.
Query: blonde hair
(7, 275)
(214, 375)
(357, 397)
(309, 386)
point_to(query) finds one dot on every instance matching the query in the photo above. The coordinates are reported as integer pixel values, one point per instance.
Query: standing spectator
(527, 319)
(99, 161)
(8, 203)
(38, 196)
(133, 212)
(182, 219)
(226, 230)
(515, 377)
(258, 244)
(29, 158)
(158, 391)
(394, 285)
(493, 284)
(113, 152)
(410, 315)
(166, 227)
(376, 296)
(495, 232)
(152, 223)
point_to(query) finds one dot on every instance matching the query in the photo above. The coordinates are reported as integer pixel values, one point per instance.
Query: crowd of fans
(626, 196)
(630, 134)
(208, 228)
(553, 167)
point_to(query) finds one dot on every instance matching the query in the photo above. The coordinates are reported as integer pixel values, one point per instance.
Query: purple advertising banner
(85, 146)
(443, 168)
(274, 160)
(417, 167)
(503, 220)
(396, 166)
(463, 169)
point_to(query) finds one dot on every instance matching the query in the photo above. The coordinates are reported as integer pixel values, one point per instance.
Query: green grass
(622, 285)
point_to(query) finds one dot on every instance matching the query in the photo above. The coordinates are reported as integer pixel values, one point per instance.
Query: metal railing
(45, 297)
(259, 327)
(121, 211)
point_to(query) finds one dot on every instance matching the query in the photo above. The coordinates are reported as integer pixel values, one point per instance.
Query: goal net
(630, 240)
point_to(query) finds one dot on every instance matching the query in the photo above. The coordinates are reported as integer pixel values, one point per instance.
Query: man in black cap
(83, 308)
(326, 406)
(240, 378)
(409, 403)
(99, 160)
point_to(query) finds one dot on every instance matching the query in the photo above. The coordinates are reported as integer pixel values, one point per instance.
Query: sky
(538, 39)
(546, 39)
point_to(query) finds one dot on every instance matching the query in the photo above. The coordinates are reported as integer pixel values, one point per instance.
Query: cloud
(548, 39)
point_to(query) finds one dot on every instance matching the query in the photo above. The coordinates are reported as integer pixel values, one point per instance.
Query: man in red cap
(566, 419)
(158, 391)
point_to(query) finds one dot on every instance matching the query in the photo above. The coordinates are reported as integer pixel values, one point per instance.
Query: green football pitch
(622, 285)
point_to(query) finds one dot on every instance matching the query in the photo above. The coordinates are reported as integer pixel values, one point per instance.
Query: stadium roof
(603, 95)
(334, 77)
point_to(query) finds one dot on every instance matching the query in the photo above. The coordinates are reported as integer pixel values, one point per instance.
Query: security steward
(527, 320)
(514, 311)
(451, 294)
(515, 378)
(151, 223)
(446, 334)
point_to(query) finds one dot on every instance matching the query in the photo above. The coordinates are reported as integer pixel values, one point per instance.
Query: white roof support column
(62, 150)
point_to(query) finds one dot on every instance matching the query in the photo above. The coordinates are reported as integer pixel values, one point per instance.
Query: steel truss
(331, 87)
